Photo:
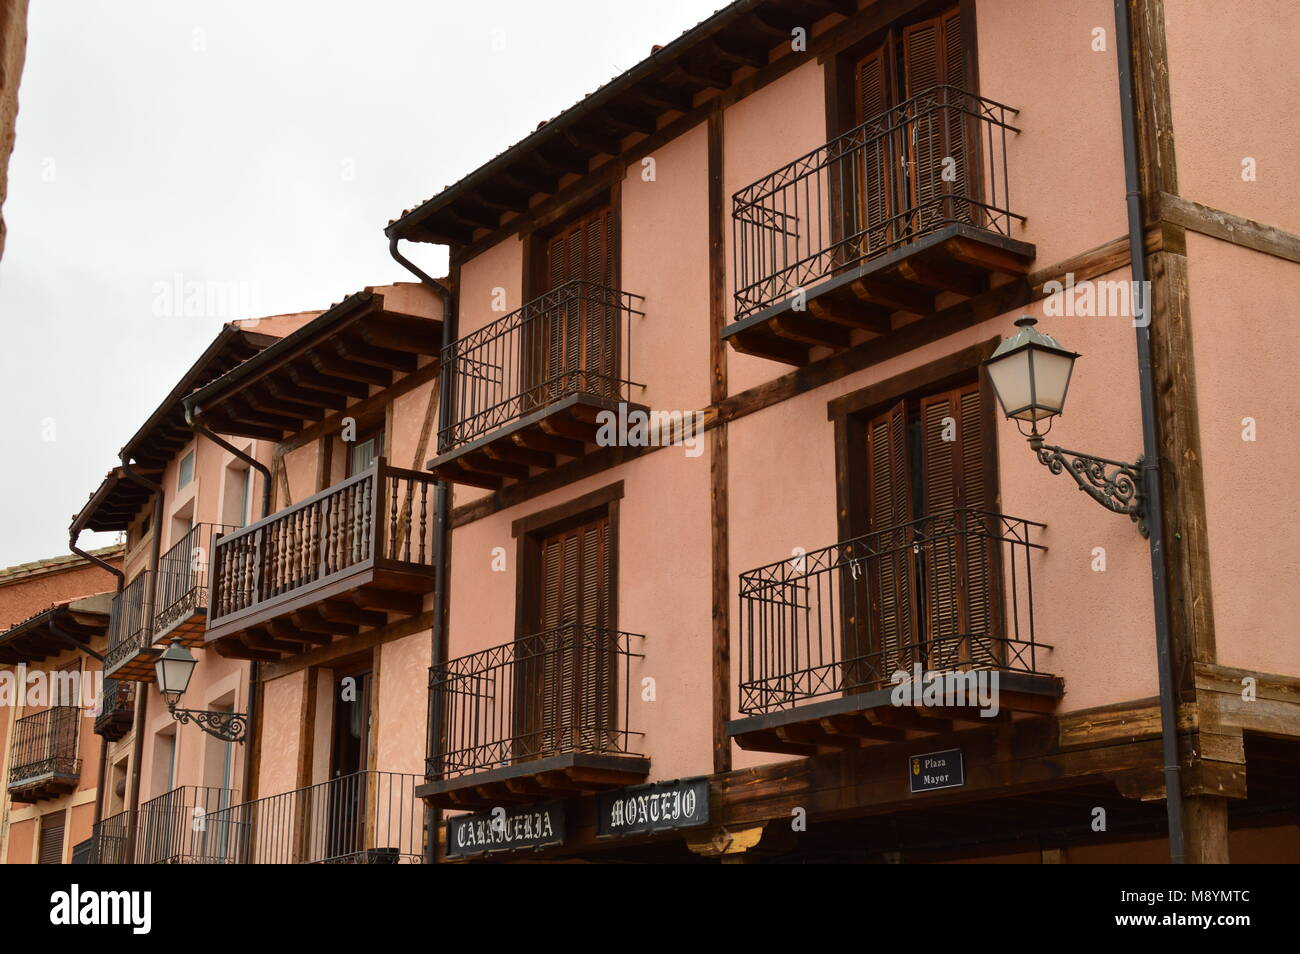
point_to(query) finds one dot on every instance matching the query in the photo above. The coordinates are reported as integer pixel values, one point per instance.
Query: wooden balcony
(117, 710)
(898, 217)
(352, 557)
(528, 390)
(44, 762)
(545, 716)
(824, 635)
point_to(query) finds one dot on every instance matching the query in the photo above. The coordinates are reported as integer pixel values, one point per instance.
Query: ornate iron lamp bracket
(1114, 484)
(227, 726)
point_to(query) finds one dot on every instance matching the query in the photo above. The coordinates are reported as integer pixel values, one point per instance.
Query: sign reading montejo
(640, 809)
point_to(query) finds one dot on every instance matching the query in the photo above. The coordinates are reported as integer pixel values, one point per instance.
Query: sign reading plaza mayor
(933, 770)
(681, 803)
(505, 829)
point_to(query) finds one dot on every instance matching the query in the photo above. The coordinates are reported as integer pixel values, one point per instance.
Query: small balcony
(364, 818)
(130, 656)
(108, 840)
(175, 827)
(349, 557)
(182, 597)
(116, 711)
(545, 716)
(907, 213)
(43, 762)
(822, 635)
(528, 389)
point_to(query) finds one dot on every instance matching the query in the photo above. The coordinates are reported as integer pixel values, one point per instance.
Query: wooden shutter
(959, 561)
(934, 55)
(575, 673)
(580, 347)
(51, 839)
(889, 517)
(879, 157)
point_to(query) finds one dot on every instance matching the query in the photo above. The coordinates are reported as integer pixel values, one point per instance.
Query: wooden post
(1205, 824)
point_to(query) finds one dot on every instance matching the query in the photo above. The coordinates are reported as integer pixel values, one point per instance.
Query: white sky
(258, 146)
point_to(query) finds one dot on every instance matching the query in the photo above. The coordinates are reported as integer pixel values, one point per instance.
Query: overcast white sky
(260, 144)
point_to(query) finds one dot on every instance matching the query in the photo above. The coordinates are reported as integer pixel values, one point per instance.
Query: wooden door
(879, 153)
(575, 345)
(571, 699)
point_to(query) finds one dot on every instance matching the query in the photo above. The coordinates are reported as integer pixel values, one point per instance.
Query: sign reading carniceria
(505, 829)
(681, 803)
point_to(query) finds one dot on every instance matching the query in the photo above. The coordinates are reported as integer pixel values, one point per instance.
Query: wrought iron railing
(364, 818)
(934, 160)
(574, 339)
(117, 705)
(183, 575)
(382, 516)
(108, 840)
(130, 621)
(952, 591)
(45, 743)
(176, 828)
(562, 691)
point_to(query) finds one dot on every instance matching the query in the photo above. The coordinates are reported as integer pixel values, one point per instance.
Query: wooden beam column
(721, 570)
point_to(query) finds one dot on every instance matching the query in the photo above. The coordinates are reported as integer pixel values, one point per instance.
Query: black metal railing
(934, 160)
(183, 576)
(176, 828)
(116, 710)
(562, 691)
(364, 818)
(108, 840)
(130, 621)
(382, 516)
(575, 339)
(45, 743)
(952, 591)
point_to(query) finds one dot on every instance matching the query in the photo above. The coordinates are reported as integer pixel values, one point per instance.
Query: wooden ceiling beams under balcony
(639, 102)
(354, 347)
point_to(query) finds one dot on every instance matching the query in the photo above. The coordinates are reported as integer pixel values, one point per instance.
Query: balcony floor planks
(555, 776)
(370, 588)
(535, 443)
(957, 259)
(849, 721)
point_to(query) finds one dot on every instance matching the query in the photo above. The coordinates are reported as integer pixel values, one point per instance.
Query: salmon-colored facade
(484, 613)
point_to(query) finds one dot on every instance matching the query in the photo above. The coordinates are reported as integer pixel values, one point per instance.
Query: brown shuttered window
(934, 581)
(889, 509)
(578, 348)
(51, 839)
(573, 670)
(934, 55)
(878, 160)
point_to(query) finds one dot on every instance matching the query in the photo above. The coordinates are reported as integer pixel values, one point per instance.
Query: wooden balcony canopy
(337, 358)
(668, 81)
(70, 625)
(117, 501)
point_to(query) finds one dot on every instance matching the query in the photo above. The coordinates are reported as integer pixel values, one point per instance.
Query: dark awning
(356, 345)
(705, 57)
(64, 626)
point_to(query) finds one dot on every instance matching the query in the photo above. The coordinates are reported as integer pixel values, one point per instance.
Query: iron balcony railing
(381, 517)
(937, 159)
(562, 691)
(365, 818)
(952, 591)
(183, 576)
(574, 339)
(175, 827)
(130, 619)
(117, 705)
(108, 840)
(45, 743)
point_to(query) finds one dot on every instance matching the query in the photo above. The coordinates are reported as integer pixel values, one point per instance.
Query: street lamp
(1031, 374)
(174, 669)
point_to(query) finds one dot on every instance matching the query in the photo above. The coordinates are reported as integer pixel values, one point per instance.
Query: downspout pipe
(257, 465)
(1150, 444)
(73, 534)
(142, 697)
(438, 642)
